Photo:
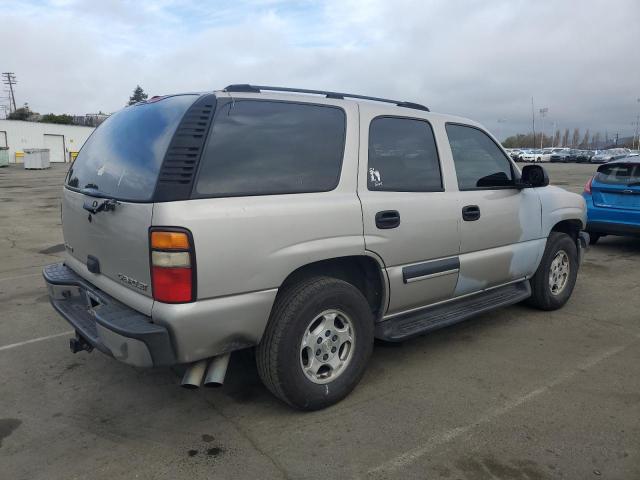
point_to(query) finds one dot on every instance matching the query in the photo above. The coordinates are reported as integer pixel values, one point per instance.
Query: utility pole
(533, 123)
(9, 78)
(543, 113)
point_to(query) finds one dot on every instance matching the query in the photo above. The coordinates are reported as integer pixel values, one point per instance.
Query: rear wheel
(555, 278)
(317, 344)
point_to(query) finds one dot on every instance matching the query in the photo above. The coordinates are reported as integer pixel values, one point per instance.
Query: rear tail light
(172, 266)
(587, 186)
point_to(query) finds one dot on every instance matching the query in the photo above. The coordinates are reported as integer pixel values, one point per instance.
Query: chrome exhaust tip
(217, 370)
(195, 373)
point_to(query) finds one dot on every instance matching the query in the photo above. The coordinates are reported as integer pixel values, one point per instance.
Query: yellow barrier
(19, 157)
(73, 156)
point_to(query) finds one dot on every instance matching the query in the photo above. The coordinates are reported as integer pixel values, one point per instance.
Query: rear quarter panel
(252, 243)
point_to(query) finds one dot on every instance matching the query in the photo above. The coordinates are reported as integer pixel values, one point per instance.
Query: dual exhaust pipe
(208, 372)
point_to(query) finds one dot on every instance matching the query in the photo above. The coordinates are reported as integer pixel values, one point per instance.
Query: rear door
(410, 221)
(118, 166)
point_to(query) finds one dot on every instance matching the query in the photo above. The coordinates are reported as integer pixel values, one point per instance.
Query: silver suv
(304, 224)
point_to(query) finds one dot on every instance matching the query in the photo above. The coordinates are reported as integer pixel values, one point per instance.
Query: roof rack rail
(246, 88)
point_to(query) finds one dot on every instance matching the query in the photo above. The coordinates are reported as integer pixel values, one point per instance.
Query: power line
(9, 78)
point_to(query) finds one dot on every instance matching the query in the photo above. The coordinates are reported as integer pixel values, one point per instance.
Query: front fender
(559, 205)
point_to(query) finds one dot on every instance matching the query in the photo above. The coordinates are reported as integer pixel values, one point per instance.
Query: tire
(542, 282)
(593, 238)
(280, 356)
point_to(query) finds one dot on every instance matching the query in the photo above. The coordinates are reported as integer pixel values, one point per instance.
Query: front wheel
(317, 344)
(555, 278)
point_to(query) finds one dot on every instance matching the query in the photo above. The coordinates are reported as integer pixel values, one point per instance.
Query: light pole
(637, 131)
(543, 113)
(500, 120)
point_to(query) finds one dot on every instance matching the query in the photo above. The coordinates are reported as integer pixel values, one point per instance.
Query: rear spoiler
(630, 160)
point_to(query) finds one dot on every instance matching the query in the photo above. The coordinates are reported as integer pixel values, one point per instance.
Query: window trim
(435, 142)
(514, 175)
(222, 103)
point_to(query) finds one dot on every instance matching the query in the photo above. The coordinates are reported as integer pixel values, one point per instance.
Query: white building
(61, 140)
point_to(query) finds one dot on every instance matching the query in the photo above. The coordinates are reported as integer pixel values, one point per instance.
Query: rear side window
(266, 148)
(479, 162)
(402, 156)
(122, 157)
(619, 174)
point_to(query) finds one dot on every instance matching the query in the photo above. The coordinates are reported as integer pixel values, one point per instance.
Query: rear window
(267, 148)
(122, 158)
(403, 156)
(619, 174)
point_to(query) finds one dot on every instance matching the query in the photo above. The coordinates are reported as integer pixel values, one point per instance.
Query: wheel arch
(571, 227)
(365, 272)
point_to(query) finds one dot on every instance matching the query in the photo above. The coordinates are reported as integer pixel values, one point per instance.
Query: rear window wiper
(96, 206)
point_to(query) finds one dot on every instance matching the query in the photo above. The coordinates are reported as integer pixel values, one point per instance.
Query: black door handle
(387, 219)
(470, 213)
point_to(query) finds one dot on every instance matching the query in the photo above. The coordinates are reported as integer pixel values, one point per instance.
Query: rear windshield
(619, 174)
(121, 159)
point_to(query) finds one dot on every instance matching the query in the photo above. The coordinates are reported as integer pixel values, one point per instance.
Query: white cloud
(482, 59)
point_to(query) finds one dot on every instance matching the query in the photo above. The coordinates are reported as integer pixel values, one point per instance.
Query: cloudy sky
(480, 59)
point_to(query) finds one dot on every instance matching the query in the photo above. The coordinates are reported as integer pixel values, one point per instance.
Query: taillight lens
(172, 269)
(587, 186)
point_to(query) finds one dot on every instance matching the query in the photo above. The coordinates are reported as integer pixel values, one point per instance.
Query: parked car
(532, 156)
(303, 226)
(583, 156)
(610, 155)
(593, 153)
(564, 156)
(516, 154)
(547, 152)
(613, 199)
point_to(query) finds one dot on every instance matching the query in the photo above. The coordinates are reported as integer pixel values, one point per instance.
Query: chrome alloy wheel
(559, 272)
(327, 346)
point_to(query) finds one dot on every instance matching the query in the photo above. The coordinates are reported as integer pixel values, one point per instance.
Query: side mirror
(533, 176)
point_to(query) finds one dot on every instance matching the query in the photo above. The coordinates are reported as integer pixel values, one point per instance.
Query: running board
(431, 318)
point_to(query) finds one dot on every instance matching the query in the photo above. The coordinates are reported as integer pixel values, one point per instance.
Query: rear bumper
(610, 220)
(106, 324)
(610, 228)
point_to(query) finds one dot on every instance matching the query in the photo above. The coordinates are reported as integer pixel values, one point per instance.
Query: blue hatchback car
(613, 199)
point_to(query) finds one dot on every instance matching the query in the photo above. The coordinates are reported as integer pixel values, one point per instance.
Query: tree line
(574, 139)
(26, 114)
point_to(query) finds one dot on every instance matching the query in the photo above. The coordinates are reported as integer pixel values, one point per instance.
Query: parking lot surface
(512, 394)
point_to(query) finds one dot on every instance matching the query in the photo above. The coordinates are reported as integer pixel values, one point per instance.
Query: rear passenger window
(402, 156)
(266, 148)
(479, 162)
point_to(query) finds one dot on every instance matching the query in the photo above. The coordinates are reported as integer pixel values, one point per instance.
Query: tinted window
(122, 157)
(402, 156)
(262, 148)
(478, 160)
(619, 174)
